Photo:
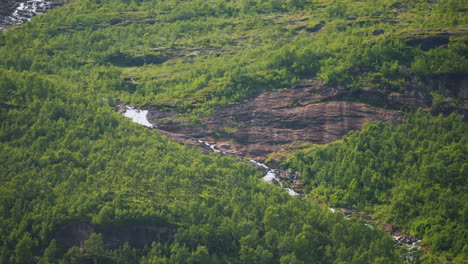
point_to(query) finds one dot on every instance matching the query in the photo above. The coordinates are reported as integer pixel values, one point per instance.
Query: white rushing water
(138, 116)
(413, 244)
(272, 176)
(212, 147)
(25, 11)
(291, 191)
(258, 164)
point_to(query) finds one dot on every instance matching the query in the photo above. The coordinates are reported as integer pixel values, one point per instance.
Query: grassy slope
(242, 48)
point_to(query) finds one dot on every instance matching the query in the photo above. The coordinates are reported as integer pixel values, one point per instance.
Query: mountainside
(280, 82)
(275, 121)
(412, 175)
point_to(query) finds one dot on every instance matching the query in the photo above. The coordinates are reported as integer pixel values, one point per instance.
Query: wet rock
(351, 18)
(405, 240)
(346, 211)
(12, 13)
(121, 108)
(299, 191)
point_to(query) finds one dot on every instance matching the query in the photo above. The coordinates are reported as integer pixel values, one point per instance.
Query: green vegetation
(67, 157)
(196, 55)
(413, 175)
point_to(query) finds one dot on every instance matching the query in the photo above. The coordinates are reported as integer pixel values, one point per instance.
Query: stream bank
(273, 176)
(278, 177)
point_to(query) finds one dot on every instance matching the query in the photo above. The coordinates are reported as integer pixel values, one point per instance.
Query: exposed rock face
(454, 88)
(273, 121)
(267, 124)
(310, 113)
(73, 235)
(135, 235)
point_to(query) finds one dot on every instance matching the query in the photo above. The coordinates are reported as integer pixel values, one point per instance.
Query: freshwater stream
(140, 117)
(25, 11)
(271, 176)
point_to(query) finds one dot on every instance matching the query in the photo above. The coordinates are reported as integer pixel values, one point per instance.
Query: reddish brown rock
(272, 121)
(310, 113)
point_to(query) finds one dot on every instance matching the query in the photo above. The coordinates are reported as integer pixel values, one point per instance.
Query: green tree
(94, 245)
(105, 216)
(50, 254)
(23, 250)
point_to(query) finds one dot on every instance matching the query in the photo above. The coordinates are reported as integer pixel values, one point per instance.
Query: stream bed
(23, 12)
(138, 116)
(141, 117)
(272, 176)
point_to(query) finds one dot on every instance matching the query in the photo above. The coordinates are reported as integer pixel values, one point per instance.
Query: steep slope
(413, 176)
(274, 121)
(17, 12)
(79, 183)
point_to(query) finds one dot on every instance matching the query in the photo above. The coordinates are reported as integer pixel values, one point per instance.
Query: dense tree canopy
(67, 159)
(413, 175)
(197, 55)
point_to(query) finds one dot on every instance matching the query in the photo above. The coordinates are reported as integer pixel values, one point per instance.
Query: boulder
(378, 32)
(426, 43)
(317, 27)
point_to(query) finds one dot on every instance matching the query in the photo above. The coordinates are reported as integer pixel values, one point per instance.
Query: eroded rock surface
(274, 121)
(310, 113)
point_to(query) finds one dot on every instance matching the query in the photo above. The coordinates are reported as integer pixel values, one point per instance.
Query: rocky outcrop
(114, 237)
(426, 43)
(453, 88)
(274, 121)
(427, 40)
(309, 113)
